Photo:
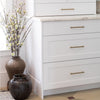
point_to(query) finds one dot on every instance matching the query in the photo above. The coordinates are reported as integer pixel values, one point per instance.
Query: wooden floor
(93, 94)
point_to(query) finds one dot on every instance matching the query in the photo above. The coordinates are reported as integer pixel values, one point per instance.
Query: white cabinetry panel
(67, 1)
(60, 7)
(50, 1)
(65, 74)
(70, 27)
(60, 48)
(65, 9)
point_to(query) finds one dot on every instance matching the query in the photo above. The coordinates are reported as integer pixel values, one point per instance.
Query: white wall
(4, 57)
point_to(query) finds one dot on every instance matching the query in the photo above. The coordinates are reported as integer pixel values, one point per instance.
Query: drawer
(49, 1)
(49, 9)
(61, 1)
(70, 27)
(72, 73)
(64, 47)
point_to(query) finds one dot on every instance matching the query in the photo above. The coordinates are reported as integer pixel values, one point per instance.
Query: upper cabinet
(49, 1)
(61, 7)
(55, 9)
(53, 1)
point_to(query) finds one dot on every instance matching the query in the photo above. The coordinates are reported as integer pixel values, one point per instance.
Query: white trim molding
(4, 57)
(3, 81)
(5, 53)
(36, 86)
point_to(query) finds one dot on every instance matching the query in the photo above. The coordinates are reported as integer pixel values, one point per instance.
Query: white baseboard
(37, 89)
(71, 89)
(3, 81)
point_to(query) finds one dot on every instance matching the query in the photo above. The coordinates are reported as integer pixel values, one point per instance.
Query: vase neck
(15, 57)
(20, 76)
(17, 52)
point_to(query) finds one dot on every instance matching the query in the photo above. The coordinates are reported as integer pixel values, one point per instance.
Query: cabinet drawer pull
(68, 9)
(77, 46)
(77, 73)
(77, 27)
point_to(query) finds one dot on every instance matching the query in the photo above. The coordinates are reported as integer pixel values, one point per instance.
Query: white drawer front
(65, 9)
(55, 1)
(70, 27)
(72, 73)
(60, 48)
(49, 1)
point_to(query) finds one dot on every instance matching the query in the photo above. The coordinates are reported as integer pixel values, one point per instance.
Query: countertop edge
(67, 18)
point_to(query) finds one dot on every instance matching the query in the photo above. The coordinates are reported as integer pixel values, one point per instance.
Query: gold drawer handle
(77, 73)
(77, 27)
(77, 46)
(68, 9)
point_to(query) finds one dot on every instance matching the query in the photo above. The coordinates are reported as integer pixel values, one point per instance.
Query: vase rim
(15, 56)
(19, 76)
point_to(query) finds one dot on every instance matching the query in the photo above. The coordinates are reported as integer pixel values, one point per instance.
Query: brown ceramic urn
(15, 66)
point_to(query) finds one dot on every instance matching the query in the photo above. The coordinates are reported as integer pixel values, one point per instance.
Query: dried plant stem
(26, 31)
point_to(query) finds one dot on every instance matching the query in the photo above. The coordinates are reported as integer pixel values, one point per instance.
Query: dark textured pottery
(15, 66)
(20, 86)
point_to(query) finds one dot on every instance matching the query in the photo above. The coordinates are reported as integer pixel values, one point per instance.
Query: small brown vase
(15, 66)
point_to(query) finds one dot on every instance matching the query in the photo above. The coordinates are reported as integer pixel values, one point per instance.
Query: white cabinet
(65, 9)
(68, 1)
(61, 7)
(64, 52)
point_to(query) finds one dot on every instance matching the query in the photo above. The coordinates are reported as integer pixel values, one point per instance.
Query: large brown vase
(20, 86)
(15, 66)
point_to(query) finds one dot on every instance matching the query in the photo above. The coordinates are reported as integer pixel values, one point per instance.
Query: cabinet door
(61, 48)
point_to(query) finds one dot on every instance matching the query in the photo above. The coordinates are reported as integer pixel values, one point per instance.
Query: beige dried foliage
(16, 27)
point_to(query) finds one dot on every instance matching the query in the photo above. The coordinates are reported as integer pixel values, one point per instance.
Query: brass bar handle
(67, 9)
(77, 27)
(77, 73)
(77, 46)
